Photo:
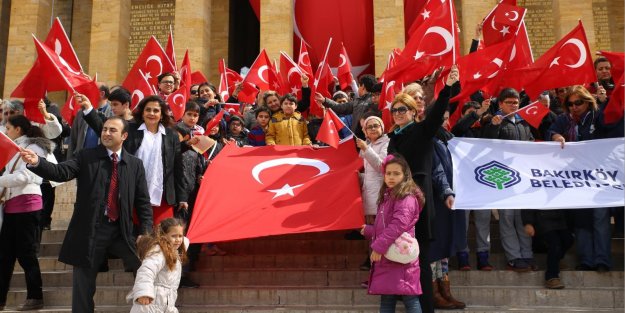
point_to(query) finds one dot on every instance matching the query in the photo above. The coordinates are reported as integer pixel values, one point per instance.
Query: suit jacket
(174, 185)
(92, 169)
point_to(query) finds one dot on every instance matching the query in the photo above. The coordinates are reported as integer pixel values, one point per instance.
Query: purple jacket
(388, 277)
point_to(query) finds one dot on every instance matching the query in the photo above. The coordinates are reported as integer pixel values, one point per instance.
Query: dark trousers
(108, 239)
(19, 240)
(558, 242)
(427, 298)
(48, 196)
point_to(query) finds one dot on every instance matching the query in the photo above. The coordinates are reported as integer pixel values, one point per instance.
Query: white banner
(507, 174)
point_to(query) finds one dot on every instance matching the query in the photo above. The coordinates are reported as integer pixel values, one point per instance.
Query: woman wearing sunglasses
(592, 226)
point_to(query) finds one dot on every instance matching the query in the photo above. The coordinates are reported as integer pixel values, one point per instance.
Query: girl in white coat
(157, 280)
(373, 151)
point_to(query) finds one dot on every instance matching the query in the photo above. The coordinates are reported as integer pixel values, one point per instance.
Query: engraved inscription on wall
(602, 24)
(147, 18)
(539, 20)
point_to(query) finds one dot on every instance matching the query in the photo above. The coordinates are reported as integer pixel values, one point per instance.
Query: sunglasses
(576, 103)
(167, 82)
(400, 110)
(194, 92)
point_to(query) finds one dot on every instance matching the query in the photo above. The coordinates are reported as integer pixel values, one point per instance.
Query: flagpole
(523, 108)
(453, 24)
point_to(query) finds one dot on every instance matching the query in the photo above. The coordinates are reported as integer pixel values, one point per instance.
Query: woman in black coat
(163, 163)
(414, 142)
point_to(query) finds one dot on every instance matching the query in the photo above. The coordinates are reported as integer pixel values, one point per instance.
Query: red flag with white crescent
(58, 41)
(344, 72)
(534, 113)
(329, 130)
(151, 63)
(9, 150)
(282, 187)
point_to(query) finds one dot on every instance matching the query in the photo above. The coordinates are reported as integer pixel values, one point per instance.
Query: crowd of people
(136, 168)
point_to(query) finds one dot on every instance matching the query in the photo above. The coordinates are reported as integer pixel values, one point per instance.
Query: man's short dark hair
(120, 94)
(105, 89)
(368, 81)
(508, 93)
(160, 77)
(262, 109)
(119, 118)
(601, 59)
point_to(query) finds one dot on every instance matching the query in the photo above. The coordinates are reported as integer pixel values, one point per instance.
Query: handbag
(4, 191)
(404, 250)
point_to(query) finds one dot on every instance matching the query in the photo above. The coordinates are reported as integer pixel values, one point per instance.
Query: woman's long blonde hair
(146, 243)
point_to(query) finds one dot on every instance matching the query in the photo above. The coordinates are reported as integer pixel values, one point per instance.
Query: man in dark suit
(110, 183)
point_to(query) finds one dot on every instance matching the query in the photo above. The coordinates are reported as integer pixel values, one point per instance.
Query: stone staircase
(319, 273)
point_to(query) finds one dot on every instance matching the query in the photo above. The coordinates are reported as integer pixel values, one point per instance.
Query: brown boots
(443, 298)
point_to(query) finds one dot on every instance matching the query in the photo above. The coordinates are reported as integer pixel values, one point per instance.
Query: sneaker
(186, 282)
(31, 304)
(365, 284)
(463, 261)
(482, 261)
(602, 268)
(518, 265)
(554, 283)
(532, 263)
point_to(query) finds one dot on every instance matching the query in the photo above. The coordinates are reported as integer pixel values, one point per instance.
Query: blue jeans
(387, 304)
(593, 240)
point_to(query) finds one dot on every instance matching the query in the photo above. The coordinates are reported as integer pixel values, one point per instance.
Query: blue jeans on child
(388, 302)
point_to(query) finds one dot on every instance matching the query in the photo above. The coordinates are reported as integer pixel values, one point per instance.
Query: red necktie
(112, 203)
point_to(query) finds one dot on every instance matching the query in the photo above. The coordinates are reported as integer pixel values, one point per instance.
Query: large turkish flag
(261, 191)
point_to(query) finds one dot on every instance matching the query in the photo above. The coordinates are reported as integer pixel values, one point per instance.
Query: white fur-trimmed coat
(155, 280)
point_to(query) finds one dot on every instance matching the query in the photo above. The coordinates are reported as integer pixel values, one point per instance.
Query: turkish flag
(291, 76)
(185, 71)
(287, 190)
(214, 121)
(345, 69)
(567, 63)
(303, 61)
(197, 78)
(151, 63)
(71, 108)
(534, 113)
(248, 93)
(522, 52)
(169, 49)
(178, 100)
(412, 12)
(433, 44)
(617, 61)
(502, 23)
(223, 81)
(32, 112)
(232, 108)
(329, 130)
(58, 41)
(386, 99)
(139, 87)
(614, 109)
(259, 72)
(9, 149)
(480, 69)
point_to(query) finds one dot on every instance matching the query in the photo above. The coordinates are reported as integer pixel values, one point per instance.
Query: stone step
(491, 296)
(326, 309)
(336, 278)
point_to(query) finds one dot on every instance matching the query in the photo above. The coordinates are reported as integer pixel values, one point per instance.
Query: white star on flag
(554, 62)
(418, 55)
(505, 30)
(477, 75)
(426, 14)
(285, 190)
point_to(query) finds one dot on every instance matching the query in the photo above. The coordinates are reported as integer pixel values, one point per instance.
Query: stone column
(566, 15)
(110, 33)
(276, 27)
(27, 17)
(193, 31)
(80, 34)
(219, 32)
(473, 11)
(388, 30)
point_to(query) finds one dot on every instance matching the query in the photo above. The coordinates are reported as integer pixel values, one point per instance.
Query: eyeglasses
(576, 103)
(194, 92)
(400, 110)
(372, 127)
(10, 112)
(167, 82)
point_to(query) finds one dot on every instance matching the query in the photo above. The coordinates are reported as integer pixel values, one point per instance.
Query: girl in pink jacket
(399, 205)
